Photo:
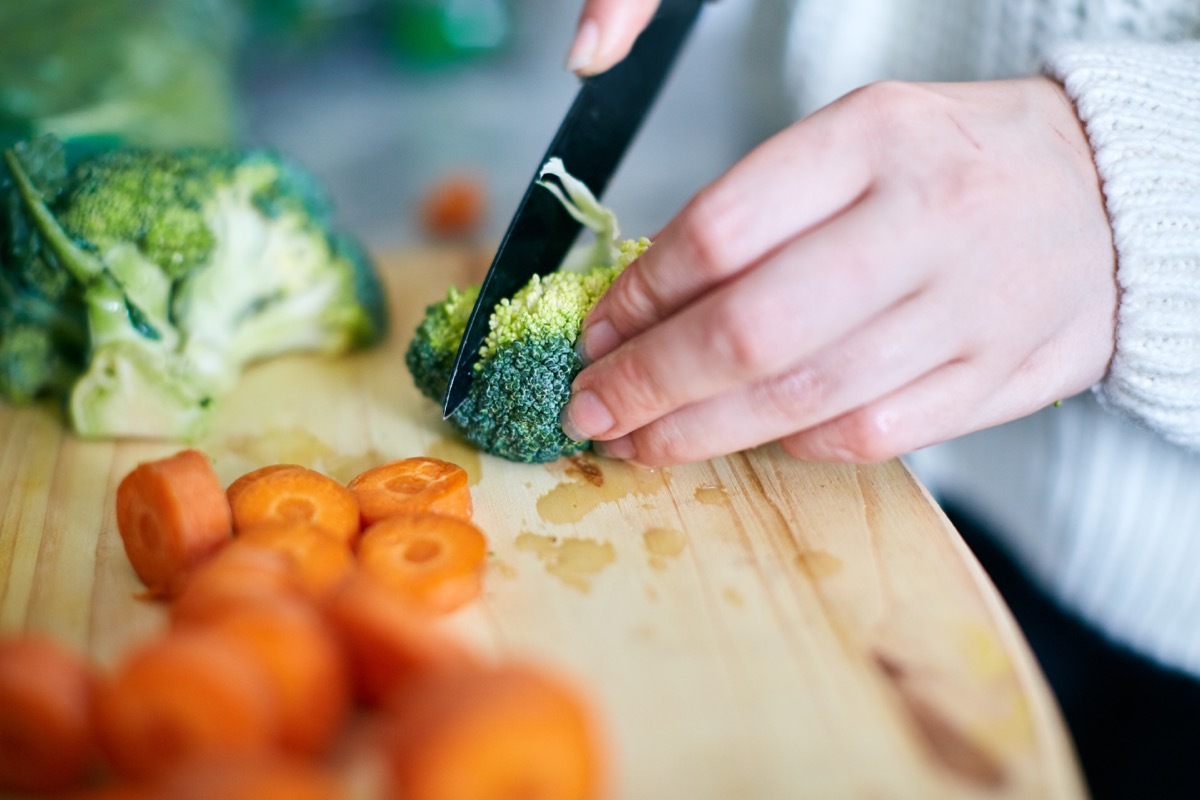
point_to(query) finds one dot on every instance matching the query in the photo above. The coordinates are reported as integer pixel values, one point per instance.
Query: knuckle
(794, 396)
(864, 436)
(632, 304)
(711, 225)
(737, 338)
(643, 394)
(662, 443)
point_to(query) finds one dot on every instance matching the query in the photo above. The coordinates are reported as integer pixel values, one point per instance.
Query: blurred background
(384, 100)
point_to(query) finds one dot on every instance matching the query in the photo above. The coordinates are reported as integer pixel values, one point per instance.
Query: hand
(607, 29)
(911, 263)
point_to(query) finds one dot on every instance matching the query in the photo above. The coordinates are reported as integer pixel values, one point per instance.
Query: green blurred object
(153, 72)
(438, 32)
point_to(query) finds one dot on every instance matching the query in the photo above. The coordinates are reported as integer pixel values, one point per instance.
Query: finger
(892, 350)
(606, 32)
(787, 186)
(795, 303)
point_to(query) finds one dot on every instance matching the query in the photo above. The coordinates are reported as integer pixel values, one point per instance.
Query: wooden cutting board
(751, 627)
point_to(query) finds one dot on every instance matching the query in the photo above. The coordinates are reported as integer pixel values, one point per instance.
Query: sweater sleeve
(1140, 106)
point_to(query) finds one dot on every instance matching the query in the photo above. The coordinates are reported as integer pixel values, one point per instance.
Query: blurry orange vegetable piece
(412, 484)
(289, 494)
(304, 664)
(235, 488)
(512, 731)
(187, 695)
(265, 778)
(387, 645)
(454, 207)
(235, 576)
(433, 561)
(46, 739)
(321, 561)
(171, 513)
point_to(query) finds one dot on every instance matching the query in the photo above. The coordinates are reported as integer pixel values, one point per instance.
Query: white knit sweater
(1099, 498)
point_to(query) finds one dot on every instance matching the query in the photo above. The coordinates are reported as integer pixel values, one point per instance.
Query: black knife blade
(594, 135)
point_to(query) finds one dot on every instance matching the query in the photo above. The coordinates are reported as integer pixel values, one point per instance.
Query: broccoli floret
(528, 360)
(140, 282)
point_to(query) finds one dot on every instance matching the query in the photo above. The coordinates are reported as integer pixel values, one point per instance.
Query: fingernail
(585, 416)
(621, 448)
(583, 50)
(596, 341)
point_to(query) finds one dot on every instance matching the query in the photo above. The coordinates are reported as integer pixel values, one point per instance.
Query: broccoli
(137, 283)
(528, 360)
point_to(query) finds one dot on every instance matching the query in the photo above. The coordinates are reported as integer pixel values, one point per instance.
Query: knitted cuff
(1140, 105)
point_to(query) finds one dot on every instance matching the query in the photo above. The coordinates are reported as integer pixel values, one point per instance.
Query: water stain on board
(663, 544)
(300, 446)
(818, 564)
(573, 561)
(590, 483)
(712, 495)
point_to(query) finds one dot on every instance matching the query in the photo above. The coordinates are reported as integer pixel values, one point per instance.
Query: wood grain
(750, 627)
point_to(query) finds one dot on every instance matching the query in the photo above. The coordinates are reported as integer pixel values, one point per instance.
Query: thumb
(607, 29)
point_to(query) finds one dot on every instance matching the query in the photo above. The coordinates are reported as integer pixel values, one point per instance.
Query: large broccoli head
(528, 359)
(154, 277)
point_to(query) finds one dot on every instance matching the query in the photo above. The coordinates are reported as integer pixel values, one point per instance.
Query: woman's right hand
(607, 29)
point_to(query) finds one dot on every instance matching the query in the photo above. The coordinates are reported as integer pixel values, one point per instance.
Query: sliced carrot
(412, 484)
(433, 561)
(187, 695)
(46, 739)
(512, 731)
(234, 577)
(386, 644)
(241, 482)
(266, 778)
(303, 660)
(296, 494)
(171, 514)
(454, 206)
(321, 561)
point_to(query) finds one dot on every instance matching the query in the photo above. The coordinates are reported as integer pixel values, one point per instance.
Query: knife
(602, 120)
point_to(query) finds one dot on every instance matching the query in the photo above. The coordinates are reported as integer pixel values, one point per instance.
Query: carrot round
(265, 778)
(304, 662)
(412, 484)
(454, 206)
(433, 561)
(295, 494)
(171, 513)
(235, 576)
(187, 695)
(46, 739)
(321, 562)
(241, 482)
(386, 644)
(512, 731)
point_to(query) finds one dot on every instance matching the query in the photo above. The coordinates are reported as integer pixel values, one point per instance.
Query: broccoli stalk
(528, 359)
(168, 273)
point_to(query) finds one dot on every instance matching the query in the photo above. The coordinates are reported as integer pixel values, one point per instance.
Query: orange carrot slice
(305, 664)
(234, 577)
(434, 561)
(240, 483)
(412, 484)
(295, 494)
(46, 739)
(387, 645)
(269, 778)
(513, 731)
(188, 695)
(321, 561)
(171, 513)
(454, 206)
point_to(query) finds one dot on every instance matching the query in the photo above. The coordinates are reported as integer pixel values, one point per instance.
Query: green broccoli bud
(527, 360)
